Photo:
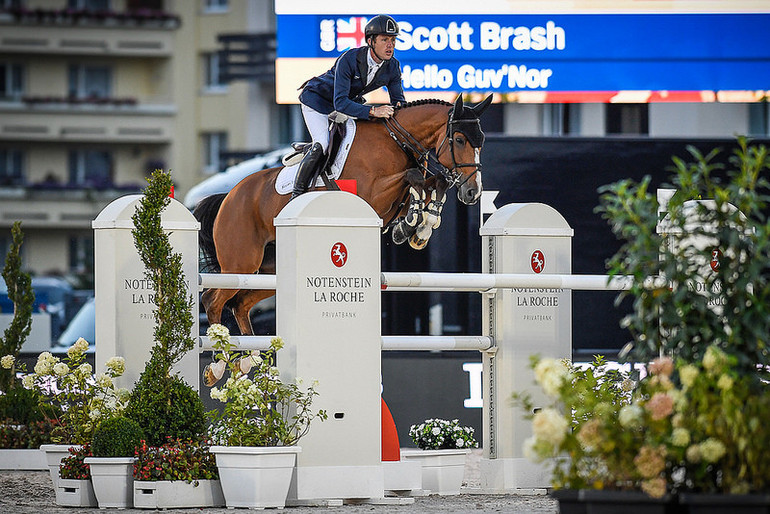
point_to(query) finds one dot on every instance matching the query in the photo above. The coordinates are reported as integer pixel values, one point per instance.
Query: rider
(356, 72)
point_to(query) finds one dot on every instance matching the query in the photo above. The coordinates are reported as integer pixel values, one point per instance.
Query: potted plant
(75, 399)
(255, 434)
(74, 488)
(163, 404)
(443, 447)
(179, 474)
(112, 464)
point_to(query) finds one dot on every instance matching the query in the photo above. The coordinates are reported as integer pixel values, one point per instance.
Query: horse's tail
(206, 212)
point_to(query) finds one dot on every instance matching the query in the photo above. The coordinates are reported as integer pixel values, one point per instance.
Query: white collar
(370, 60)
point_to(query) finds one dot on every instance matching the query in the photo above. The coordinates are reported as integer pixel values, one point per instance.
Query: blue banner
(555, 52)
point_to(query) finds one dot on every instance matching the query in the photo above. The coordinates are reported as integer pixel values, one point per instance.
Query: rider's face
(383, 47)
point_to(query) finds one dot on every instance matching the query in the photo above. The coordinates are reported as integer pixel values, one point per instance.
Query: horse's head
(460, 150)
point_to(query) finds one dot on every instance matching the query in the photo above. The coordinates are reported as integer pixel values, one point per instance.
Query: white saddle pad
(284, 184)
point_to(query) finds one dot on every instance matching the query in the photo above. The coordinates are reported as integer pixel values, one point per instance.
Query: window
(215, 5)
(134, 5)
(81, 257)
(91, 5)
(211, 80)
(10, 4)
(561, 119)
(11, 167)
(213, 144)
(90, 81)
(90, 168)
(11, 80)
(631, 119)
(759, 119)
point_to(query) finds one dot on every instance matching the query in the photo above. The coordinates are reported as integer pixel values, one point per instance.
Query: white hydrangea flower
(630, 415)
(549, 425)
(7, 361)
(117, 365)
(28, 381)
(550, 374)
(78, 348)
(61, 369)
(103, 380)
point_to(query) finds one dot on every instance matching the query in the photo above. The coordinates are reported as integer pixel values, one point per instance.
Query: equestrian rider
(356, 72)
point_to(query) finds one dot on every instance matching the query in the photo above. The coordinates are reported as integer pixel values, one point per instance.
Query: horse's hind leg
(248, 298)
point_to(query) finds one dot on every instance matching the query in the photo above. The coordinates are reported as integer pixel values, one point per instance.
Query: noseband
(427, 158)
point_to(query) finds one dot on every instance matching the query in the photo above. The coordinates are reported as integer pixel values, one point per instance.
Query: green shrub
(166, 407)
(116, 437)
(21, 405)
(25, 437)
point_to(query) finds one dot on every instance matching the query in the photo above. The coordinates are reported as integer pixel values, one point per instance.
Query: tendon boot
(307, 170)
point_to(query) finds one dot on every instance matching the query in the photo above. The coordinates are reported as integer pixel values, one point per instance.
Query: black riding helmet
(381, 24)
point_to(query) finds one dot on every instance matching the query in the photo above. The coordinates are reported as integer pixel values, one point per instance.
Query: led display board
(638, 50)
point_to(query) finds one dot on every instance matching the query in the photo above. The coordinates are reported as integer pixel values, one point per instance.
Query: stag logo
(716, 255)
(537, 261)
(339, 254)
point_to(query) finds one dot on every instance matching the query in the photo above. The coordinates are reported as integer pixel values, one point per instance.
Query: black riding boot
(307, 170)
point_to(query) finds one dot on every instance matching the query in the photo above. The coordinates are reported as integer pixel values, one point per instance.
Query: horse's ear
(458, 109)
(479, 109)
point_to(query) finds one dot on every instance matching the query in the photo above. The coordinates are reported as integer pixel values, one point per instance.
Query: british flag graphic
(344, 34)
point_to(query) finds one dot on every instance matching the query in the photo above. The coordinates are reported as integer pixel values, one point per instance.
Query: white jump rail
(402, 281)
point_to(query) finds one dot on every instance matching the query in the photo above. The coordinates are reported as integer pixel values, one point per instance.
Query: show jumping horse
(435, 137)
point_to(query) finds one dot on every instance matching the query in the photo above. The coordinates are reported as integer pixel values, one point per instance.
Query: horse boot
(307, 170)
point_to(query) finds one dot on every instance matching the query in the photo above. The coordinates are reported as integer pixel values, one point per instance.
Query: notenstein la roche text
(330, 289)
(456, 38)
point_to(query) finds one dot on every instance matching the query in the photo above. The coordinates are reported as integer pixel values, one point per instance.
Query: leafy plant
(166, 407)
(440, 434)
(259, 408)
(73, 396)
(73, 466)
(19, 286)
(116, 437)
(724, 240)
(161, 402)
(180, 459)
(28, 436)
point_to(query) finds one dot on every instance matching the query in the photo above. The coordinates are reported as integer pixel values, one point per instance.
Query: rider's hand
(381, 111)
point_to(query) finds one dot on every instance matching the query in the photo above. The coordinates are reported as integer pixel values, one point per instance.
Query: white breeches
(317, 125)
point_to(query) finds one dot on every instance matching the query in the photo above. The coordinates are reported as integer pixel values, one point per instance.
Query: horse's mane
(424, 101)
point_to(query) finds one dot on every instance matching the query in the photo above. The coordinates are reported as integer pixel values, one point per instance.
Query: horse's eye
(460, 141)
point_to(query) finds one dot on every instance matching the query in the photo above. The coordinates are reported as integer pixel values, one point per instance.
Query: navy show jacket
(343, 86)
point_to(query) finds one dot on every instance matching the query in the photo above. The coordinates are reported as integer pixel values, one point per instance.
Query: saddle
(337, 121)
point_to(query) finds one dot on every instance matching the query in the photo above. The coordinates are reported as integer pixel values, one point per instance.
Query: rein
(426, 158)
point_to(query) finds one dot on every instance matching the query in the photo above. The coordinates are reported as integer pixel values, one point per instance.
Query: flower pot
(113, 479)
(54, 453)
(22, 459)
(627, 502)
(75, 493)
(442, 470)
(255, 477)
(177, 494)
(570, 501)
(701, 503)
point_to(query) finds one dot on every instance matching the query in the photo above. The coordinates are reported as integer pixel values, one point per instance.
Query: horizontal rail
(389, 343)
(397, 281)
(479, 282)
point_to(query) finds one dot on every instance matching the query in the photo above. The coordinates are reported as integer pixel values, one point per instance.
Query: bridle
(427, 158)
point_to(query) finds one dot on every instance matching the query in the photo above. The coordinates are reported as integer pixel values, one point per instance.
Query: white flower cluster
(7, 361)
(217, 332)
(434, 434)
(80, 347)
(117, 365)
(550, 374)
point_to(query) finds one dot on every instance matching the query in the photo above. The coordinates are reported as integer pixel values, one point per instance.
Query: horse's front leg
(407, 225)
(432, 215)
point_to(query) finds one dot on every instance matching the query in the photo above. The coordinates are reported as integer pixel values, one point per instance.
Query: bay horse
(430, 135)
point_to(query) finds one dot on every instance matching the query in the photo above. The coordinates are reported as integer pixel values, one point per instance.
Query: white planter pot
(177, 494)
(22, 460)
(113, 479)
(255, 477)
(442, 470)
(54, 453)
(75, 493)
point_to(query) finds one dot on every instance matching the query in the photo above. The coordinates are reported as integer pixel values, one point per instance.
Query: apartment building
(95, 94)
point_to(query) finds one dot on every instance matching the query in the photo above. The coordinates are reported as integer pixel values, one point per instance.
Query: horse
(435, 137)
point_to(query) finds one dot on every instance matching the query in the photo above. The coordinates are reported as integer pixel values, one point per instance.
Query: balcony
(66, 206)
(71, 32)
(97, 120)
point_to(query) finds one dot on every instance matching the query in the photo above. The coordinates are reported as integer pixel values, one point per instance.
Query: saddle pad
(284, 183)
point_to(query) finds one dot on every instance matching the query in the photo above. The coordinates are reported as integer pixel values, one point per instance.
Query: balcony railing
(139, 17)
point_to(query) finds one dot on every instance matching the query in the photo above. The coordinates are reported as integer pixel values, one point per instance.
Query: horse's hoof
(417, 243)
(398, 235)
